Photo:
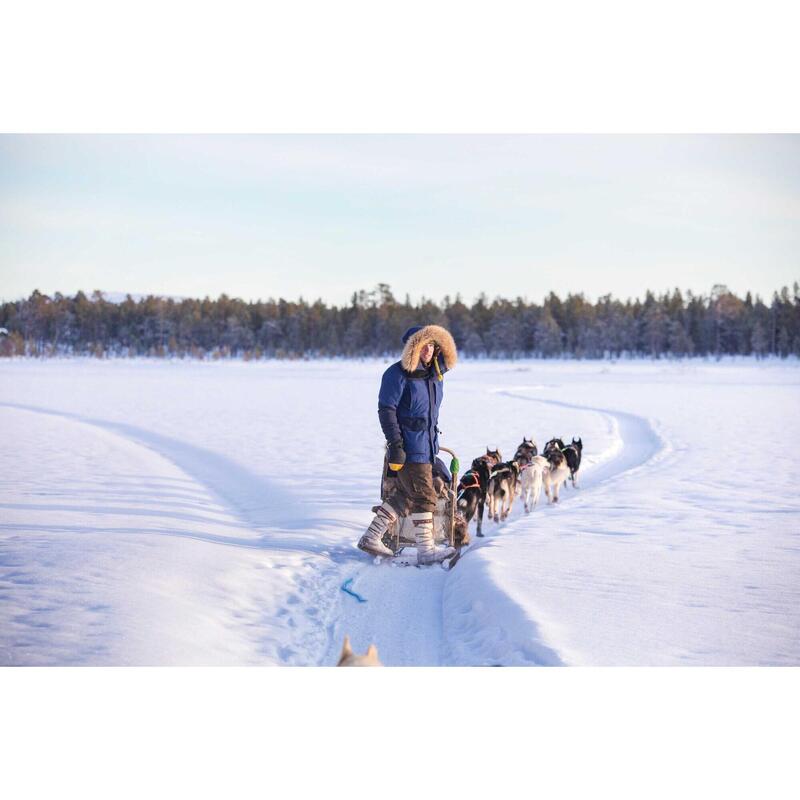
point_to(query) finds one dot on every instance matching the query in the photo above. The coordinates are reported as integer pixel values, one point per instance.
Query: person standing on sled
(408, 410)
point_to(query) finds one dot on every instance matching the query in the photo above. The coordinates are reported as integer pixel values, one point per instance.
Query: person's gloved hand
(397, 456)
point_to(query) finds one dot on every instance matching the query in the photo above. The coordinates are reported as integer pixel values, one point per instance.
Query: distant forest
(669, 325)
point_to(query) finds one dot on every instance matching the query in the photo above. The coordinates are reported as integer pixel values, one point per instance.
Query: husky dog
(461, 532)
(490, 459)
(349, 659)
(493, 455)
(572, 452)
(502, 489)
(493, 458)
(526, 451)
(554, 444)
(528, 479)
(472, 490)
(531, 478)
(441, 514)
(556, 474)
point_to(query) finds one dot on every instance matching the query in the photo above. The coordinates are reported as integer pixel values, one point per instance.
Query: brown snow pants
(413, 490)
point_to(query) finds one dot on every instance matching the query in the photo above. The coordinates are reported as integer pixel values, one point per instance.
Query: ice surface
(206, 513)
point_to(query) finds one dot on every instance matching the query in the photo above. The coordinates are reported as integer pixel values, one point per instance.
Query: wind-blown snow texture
(207, 513)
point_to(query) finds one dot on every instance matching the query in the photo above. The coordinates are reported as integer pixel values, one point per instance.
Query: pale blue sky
(323, 216)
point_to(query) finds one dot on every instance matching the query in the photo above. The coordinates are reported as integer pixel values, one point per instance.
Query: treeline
(672, 324)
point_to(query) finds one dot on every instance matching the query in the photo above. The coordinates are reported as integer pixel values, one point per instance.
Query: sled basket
(445, 515)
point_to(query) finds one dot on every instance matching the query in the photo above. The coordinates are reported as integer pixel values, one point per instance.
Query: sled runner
(449, 526)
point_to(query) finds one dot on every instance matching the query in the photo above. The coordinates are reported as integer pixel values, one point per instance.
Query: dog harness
(472, 475)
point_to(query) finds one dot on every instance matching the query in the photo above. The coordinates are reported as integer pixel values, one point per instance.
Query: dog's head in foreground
(349, 659)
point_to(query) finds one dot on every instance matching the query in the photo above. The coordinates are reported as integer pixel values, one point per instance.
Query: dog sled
(449, 526)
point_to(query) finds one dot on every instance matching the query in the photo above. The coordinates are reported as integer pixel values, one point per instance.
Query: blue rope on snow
(346, 588)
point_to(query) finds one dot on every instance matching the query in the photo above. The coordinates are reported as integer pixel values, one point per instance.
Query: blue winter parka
(408, 409)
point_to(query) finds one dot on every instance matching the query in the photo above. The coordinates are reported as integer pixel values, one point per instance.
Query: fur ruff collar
(439, 336)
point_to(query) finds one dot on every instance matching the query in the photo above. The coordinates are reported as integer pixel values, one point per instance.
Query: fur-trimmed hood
(429, 333)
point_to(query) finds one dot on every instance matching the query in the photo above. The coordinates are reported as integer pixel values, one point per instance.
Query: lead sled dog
(572, 452)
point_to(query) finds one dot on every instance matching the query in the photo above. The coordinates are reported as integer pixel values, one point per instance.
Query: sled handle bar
(453, 486)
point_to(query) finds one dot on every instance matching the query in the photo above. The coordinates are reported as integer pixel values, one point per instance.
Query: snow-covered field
(207, 513)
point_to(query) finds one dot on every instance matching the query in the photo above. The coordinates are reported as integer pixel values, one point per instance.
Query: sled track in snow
(642, 444)
(407, 608)
(273, 516)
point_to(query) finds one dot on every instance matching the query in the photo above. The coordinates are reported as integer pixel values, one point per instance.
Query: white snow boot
(427, 552)
(372, 540)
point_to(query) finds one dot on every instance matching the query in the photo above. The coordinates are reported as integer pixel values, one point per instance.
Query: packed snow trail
(483, 621)
(432, 617)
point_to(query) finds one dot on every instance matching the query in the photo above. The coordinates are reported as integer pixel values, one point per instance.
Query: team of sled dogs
(495, 483)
